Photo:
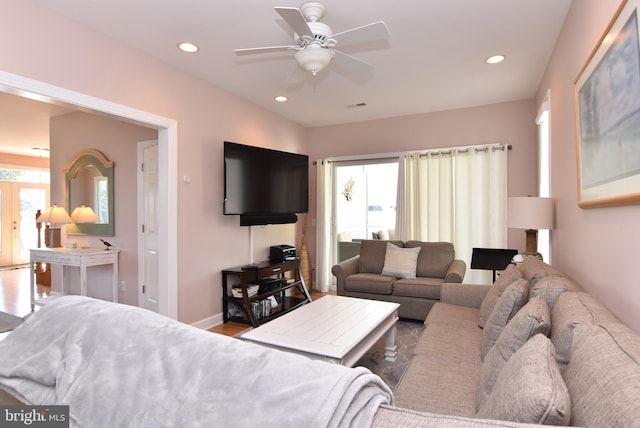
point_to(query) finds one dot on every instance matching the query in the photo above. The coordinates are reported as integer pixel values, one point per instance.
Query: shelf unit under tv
(290, 293)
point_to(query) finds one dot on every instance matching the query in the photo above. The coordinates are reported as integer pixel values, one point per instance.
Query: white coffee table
(333, 328)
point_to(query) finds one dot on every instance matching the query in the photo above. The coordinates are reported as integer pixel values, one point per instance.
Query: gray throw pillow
(509, 303)
(603, 376)
(506, 278)
(400, 262)
(530, 388)
(532, 319)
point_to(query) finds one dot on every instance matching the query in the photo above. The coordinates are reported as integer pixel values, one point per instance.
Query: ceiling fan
(315, 43)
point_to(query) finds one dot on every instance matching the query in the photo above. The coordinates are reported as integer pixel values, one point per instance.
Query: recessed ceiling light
(280, 98)
(188, 47)
(495, 59)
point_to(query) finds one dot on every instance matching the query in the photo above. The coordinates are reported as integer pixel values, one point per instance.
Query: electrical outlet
(123, 286)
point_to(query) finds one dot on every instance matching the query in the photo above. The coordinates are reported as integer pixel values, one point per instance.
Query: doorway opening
(167, 167)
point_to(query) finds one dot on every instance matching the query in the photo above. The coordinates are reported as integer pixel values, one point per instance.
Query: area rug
(407, 335)
(8, 322)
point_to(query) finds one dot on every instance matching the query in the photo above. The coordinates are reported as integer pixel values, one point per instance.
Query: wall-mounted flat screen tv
(264, 186)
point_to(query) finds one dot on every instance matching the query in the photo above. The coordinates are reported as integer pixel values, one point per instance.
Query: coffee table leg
(390, 344)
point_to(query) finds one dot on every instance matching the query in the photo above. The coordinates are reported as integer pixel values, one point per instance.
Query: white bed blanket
(119, 366)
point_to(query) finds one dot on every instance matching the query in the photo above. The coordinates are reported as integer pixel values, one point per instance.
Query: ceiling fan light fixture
(314, 59)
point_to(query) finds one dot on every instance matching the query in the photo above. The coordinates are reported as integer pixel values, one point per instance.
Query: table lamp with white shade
(84, 214)
(54, 216)
(532, 214)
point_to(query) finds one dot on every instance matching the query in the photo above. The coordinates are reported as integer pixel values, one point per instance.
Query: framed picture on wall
(607, 114)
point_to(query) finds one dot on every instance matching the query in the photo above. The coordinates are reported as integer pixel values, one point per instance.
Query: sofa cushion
(434, 258)
(369, 283)
(433, 385)
(462, 317)
(550, 287)
(372, 254)
(509, 303)
(534, 269)
(573, 309)
(506, 278)
(424, 288)
(532, 319)
(603, 376)
(530, 388)
(400, 262)
(451, 343)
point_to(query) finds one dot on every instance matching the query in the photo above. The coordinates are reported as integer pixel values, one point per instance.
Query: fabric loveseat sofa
(415, 286)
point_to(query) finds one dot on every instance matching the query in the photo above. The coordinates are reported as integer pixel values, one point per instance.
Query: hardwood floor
(16, 300)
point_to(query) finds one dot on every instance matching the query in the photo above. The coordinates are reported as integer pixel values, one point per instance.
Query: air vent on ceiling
(358, 105)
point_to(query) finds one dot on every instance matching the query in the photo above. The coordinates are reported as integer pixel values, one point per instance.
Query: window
(544, 170)
(365, 197)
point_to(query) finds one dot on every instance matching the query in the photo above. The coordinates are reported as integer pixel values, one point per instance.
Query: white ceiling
(433, 60)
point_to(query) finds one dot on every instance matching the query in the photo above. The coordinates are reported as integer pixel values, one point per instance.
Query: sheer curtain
(324, 193)
(456, 195)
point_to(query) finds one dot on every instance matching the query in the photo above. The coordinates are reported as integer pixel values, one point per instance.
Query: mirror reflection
(89, 179)
(89, 188)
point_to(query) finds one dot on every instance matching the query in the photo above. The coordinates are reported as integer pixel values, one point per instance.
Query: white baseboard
(209, 322)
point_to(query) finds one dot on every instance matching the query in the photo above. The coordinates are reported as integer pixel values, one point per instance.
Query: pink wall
(74, 132)
(606, 240)
(41, 45)
(509, 123)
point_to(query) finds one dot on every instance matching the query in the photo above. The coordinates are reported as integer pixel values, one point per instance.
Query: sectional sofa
(531, 348)
(413, 280)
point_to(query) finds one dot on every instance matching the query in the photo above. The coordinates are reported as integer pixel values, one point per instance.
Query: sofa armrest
(469, 295)
(456, 271)
(342, 270)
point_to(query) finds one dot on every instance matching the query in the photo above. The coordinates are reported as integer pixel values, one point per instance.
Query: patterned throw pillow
(506, 278)
(530, 388)
(400, 262)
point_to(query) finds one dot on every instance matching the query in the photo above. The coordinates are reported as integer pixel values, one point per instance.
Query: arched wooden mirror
(89, 178)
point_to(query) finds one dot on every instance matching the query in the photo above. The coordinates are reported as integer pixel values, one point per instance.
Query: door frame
(167, 167)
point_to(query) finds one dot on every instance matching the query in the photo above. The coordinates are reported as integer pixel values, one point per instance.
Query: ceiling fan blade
(296, 20)
(366, 33)
(351, 63)
(262, 50)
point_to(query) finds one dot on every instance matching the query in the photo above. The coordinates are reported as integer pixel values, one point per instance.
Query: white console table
(81, 258)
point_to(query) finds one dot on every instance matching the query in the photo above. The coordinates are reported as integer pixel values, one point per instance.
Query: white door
(148, 293)
(18, 233)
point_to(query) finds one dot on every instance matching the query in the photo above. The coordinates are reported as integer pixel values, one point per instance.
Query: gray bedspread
(120, 366)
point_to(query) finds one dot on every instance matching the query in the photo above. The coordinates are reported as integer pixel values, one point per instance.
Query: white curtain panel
(324, 277)
(456, 195)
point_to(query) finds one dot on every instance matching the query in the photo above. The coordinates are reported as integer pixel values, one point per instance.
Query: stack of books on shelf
(264, 308)
(252, 290)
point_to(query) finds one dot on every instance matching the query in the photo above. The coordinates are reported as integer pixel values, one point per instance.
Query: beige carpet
(8, 322)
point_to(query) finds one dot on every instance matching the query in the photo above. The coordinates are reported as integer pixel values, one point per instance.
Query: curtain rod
(382, 156)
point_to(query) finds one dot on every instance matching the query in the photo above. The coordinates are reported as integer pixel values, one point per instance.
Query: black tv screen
(264, 182)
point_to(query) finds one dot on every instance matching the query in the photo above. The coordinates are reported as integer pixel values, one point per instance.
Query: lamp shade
(530, 213)
(84, 214)
(54, 215)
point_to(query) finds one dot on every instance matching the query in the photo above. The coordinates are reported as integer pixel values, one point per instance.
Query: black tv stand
(290, 293)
